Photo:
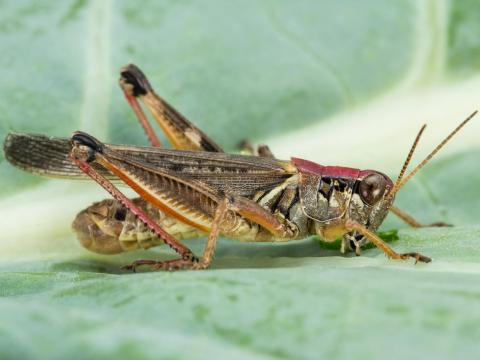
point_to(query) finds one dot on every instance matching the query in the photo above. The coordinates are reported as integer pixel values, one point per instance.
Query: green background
(339, 83)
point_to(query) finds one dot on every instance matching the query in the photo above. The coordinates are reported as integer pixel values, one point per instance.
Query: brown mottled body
(107, 221)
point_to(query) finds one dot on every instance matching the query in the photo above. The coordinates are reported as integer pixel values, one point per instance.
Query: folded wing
(237, 174)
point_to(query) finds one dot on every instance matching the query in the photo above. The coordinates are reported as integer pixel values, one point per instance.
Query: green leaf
(338, 83)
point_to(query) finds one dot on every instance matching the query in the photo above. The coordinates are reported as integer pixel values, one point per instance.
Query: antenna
(400, 183)
(407, 161)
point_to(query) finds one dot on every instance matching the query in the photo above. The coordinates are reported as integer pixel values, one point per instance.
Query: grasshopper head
(331, 195)
(369, 205)
(371, 199)
(376, 192)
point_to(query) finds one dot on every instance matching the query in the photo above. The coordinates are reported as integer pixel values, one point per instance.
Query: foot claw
(127, 268)
(133, 266)
(418, 257)
(440, 224)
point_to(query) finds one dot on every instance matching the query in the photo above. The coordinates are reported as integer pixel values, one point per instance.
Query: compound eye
(372, 188)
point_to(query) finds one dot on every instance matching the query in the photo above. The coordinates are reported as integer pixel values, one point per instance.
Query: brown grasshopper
(197, 189)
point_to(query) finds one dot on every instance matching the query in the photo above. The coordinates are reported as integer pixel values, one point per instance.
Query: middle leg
(208, 253)
(262, 150)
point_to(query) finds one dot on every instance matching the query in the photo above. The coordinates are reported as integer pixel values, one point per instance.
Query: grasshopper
(197, 189)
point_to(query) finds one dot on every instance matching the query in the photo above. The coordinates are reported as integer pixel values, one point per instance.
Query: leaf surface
(334, 82)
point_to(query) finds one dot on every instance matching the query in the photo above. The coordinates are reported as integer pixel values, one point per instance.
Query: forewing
(42, 155)
(237, 174)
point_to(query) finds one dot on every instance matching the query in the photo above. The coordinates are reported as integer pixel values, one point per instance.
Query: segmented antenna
(407, 162)
(400, 183)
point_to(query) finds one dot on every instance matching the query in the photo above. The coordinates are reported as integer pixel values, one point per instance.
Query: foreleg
(382, 245)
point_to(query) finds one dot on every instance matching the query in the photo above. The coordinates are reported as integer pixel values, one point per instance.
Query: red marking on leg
(142, 118)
